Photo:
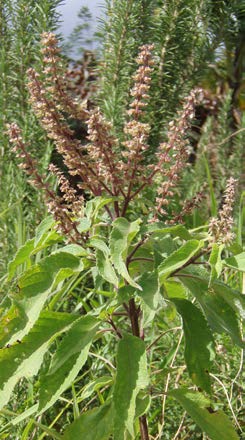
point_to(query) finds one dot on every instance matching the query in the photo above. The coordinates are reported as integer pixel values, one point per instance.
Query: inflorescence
(104, 166)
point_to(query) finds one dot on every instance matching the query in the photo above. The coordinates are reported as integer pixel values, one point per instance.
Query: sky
(69, 11)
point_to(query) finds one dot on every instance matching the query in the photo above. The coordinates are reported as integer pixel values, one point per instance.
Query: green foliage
(123, 395)
(214, 423)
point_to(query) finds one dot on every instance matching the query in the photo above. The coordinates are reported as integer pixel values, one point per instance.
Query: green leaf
(95, 385)
(73, 249)
(175, 289)
(199, 343)
(96, 424)
(22, 256)
(142, 404)
(13, 320)
(178, 258)
(220, 315)
(130, 379)
(83, 225)
(95, 205)
(215, 423)
(44, 227)
(35, 286)
(235, 299)
(103, 262)
(121, 236)
(236, 262)
(150, 295)
(176, 230)
(69, 358)
(215, 261)
(24, 359)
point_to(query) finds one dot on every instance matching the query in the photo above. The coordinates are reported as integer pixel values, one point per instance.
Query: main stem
(134, 318)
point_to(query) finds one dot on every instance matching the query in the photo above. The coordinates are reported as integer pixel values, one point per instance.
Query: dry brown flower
(220, 229)
(65, 224)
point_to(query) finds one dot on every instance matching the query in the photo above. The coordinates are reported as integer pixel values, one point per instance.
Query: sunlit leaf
(178, 258)
(69, 358)
(122, 234)
(131, 377)
(24, 359)
(236, 262)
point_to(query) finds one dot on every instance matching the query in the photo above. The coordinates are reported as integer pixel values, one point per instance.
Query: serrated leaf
(21, 257)
(69, 358)
(131, 377)
(24, 359)
(220, 315)
(95, 424)
(215, 261)
(149, 295)
(176, 230)
(199, 343)
(105, 268)
(215, 423)
(13, 320)
(35, 285)
(73, 249)
(178, 258)
(123, 232)
(103, 262)
(235, 299)
(44, 227)
(236, 262)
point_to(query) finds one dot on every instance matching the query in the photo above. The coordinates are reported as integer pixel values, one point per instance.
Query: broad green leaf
(236, 262)
(125, 293)
(180, 257)
(96, 424)
(215, 423)
(176, 230)
(21, 256)
(73, 249)
(44, 227)
(162, 248)
(103, 262)
(220, 315)
(175, 289)
(122, 234)
(105, 268)
(215, 261)
(13, 320)
(83, 225)
(24, 359)
(150, 295)
(131, 377)
(235, 299)
(199, 344)
(35, 286)
(69, 358)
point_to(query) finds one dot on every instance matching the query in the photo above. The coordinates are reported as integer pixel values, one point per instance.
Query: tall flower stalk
(106, 166)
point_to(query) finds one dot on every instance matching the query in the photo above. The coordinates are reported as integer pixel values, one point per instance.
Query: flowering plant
(130, 265)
